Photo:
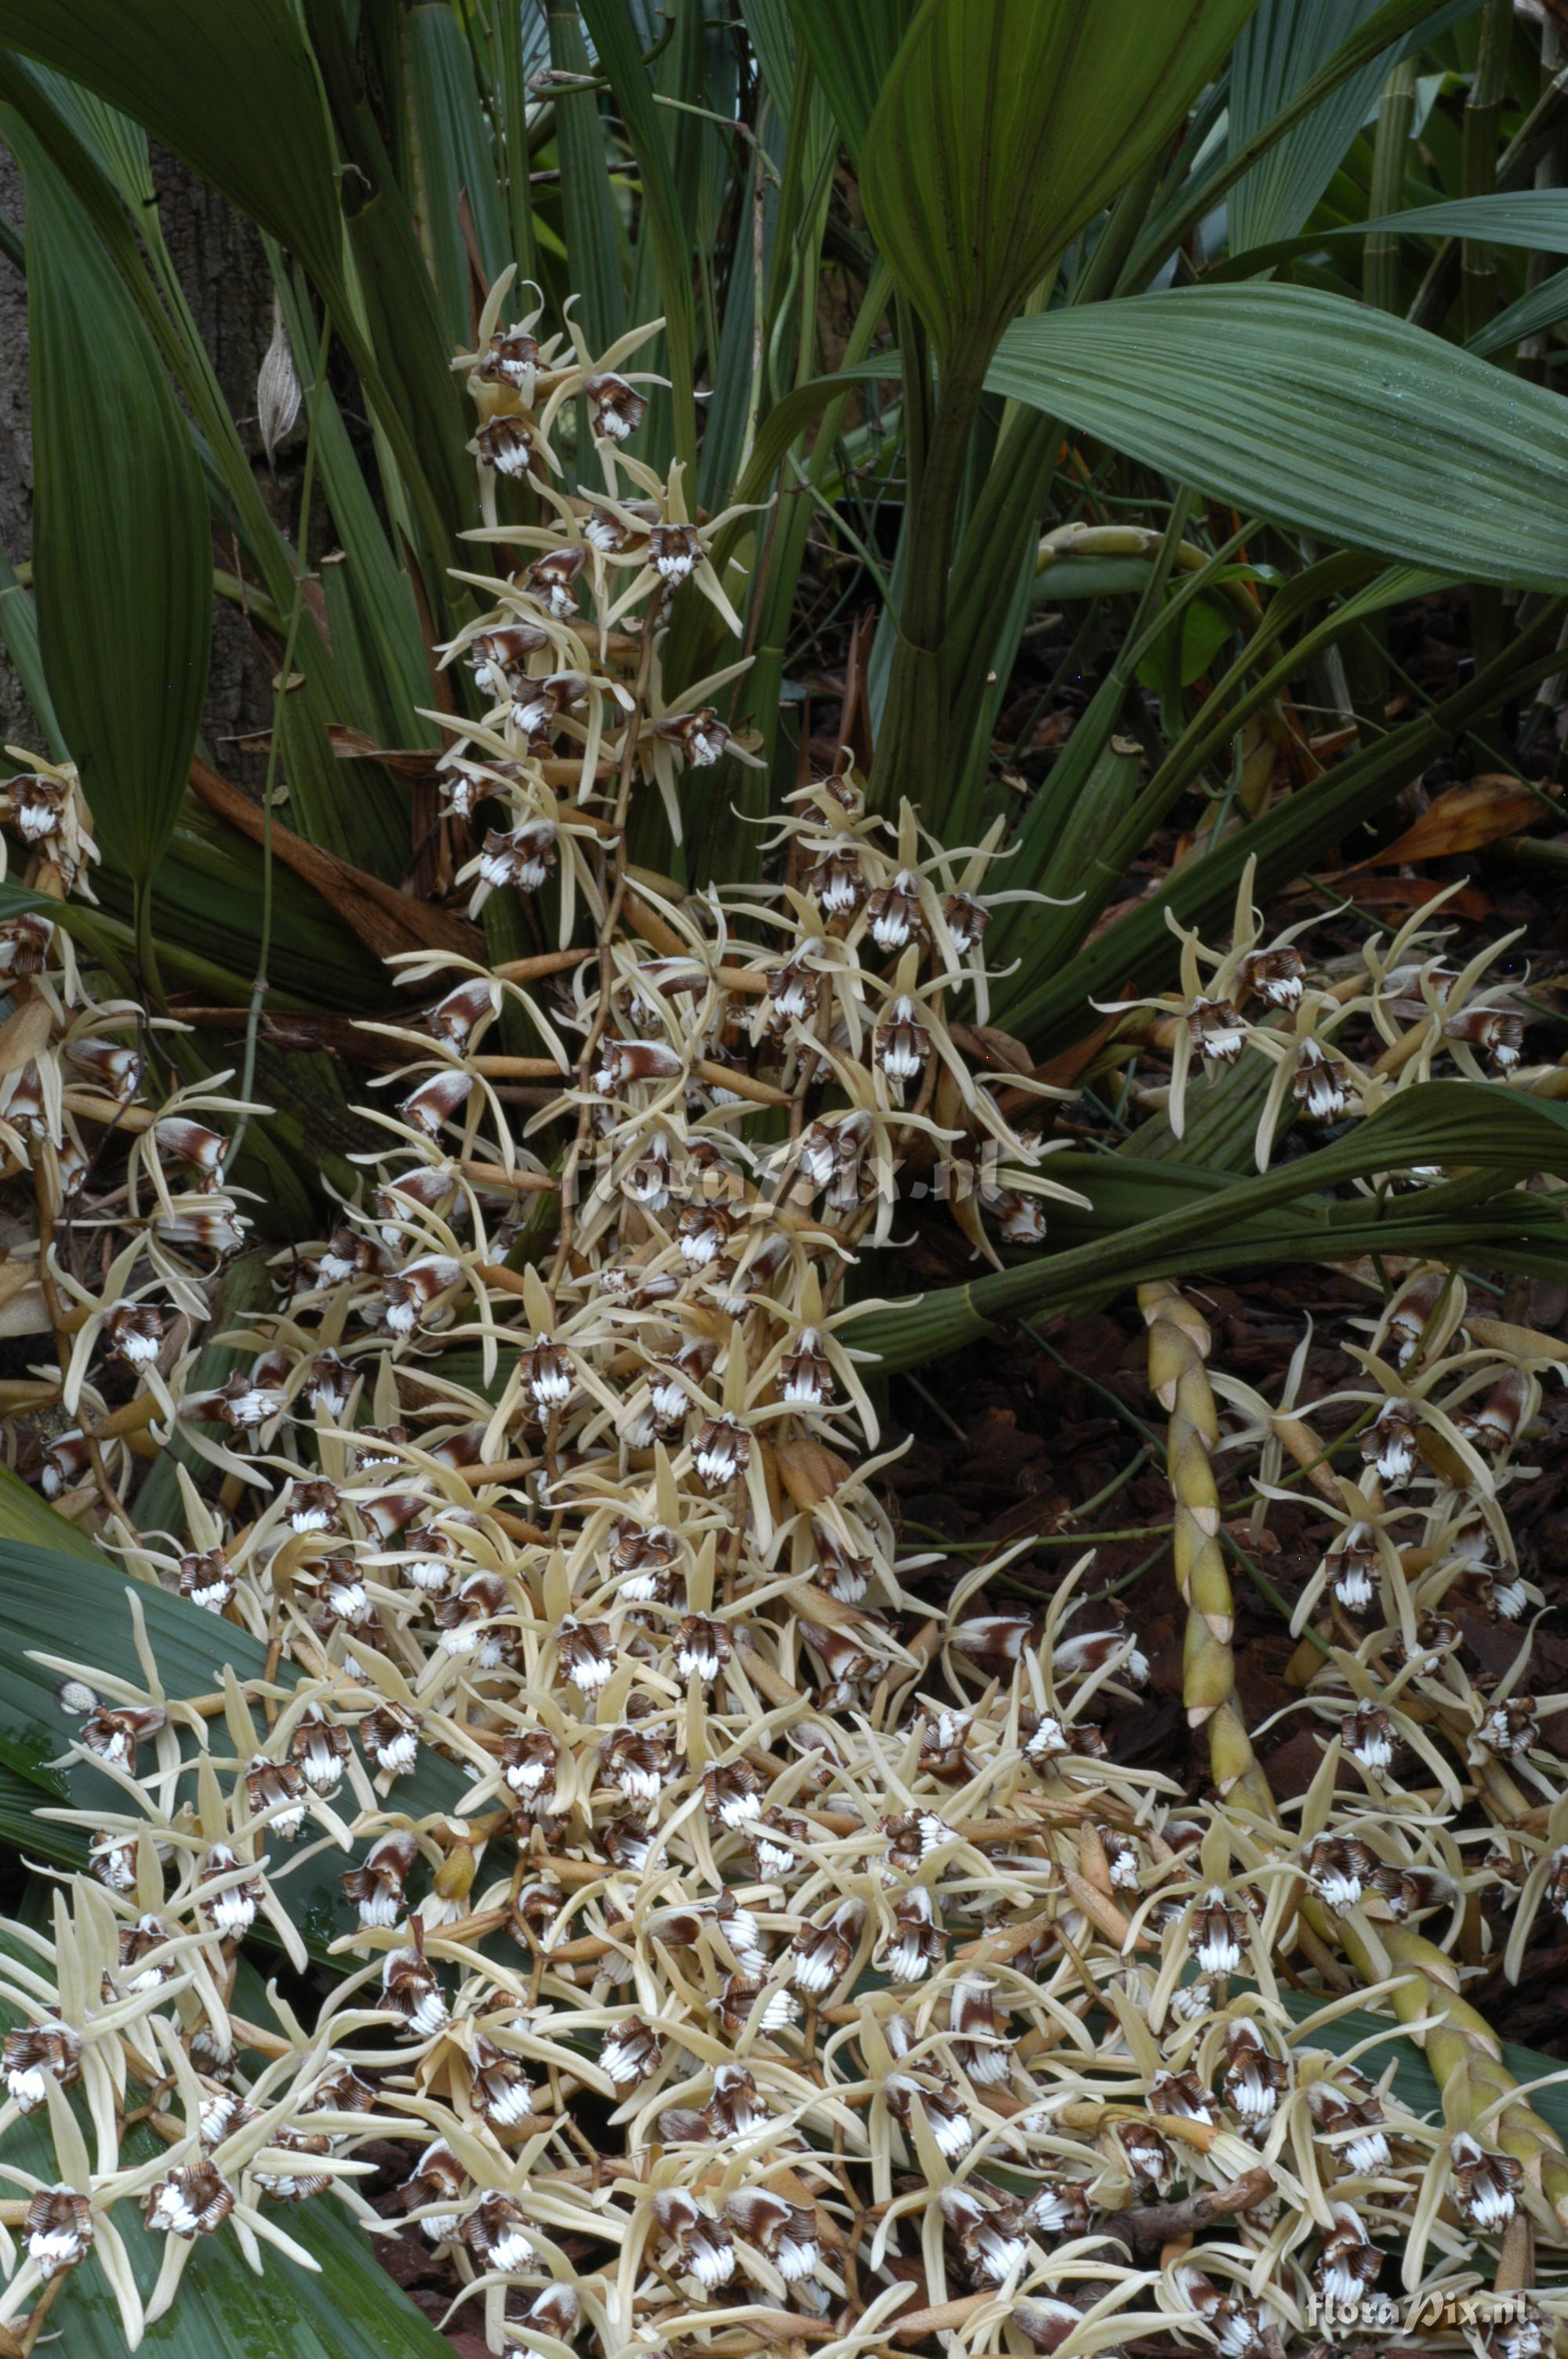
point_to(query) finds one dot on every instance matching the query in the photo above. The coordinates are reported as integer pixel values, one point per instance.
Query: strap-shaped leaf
(1006, 124)
(122, 561)
(1323, 416)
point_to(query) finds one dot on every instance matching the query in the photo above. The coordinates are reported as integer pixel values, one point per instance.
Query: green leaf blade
(1004, 125)
(1325, 418)
(122, 561)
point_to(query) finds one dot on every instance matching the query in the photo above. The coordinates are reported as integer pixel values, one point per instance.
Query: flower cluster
(1333, 1044)
(729, 1941)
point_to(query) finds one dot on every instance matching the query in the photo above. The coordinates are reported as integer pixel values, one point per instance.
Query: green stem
(912, 743)
(269, 788)
(1380, 261)
(515, 126)
(1482, 114)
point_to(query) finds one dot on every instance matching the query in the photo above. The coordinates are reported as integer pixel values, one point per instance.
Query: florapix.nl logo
(1435, 2310)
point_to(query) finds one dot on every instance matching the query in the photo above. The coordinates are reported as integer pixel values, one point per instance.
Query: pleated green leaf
(1536, 219)
(1318, 414)
(122, 561)
(1398, 28)
(60, 1604)
(1541, 308)
(1004, 125)
(1286, 43)
(852, 45)
(230, 87)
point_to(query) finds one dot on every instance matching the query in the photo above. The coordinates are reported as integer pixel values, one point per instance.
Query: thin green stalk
(1541, 126)
(1548, 174)
(514, 140)
(1483, 116)
(1380, 260)
(274, 739)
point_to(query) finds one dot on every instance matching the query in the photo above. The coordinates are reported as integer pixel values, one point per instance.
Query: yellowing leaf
(1463, 818)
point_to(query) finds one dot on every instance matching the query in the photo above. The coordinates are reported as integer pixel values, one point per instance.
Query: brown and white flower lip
(390, 1737)
(1351, 2119)
(134, 1330)
(702, 1647)
(893, 912)
(1218, 1934)
(1180, 2094)
(512, 358)
(1320, 1083)
(805, 1372)
(1512, 1725)
(785, 2232)
(631, 2052)
(278, 1788)
(732, 1792)
(1390, 1443)
(58, 2230)
(1217, 1030)
(735, 2106)
(25, 945)
(617, 408)
(1497, 1032)
(702, 2244)
(819, 1955)
(552, 580)
(436, 2187)
(506, 444)
(115, 1735)
(302, 2184)
(320, 1746)
(701, 736)
(838, 882)
(36, 2054)
(1338, 1868)
(544, 1371)
(988, 2237)
(721, 1453)
(1349, 2264)
(520, 857)
(1486, 2185)
(409, 1989)
(1353, 1568)
(378, 1889)
(231, 1909)
(916, 1941)
(193, 2200)
(112, 1860)
(1368, 1734)
(675, 551)
(586, 1652)
(903, 1040)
